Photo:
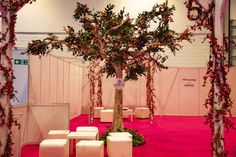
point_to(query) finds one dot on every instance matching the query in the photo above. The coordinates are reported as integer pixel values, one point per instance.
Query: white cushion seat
(53, 148)
(106, 115)
(127, 113)
(119, 146)
(121, 134)
(141, 112)
(86, 148)
(58, 134)
(88, 129)
(97, 111)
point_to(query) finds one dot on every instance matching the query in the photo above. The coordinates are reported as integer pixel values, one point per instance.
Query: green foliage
(134, 71)
(138, 139)
(117, 39)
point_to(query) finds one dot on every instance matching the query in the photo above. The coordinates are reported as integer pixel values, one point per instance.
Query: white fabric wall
(44, 117)
(179, 92)
(53, 80)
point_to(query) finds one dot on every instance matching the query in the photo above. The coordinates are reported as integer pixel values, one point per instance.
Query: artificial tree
(122, 43)
(8, 9)
(218, 100)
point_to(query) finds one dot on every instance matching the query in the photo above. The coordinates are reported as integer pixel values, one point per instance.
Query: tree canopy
(117, 39)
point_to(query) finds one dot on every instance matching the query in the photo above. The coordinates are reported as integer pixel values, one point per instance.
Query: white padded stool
(106, 115)
(121, 134)
(127, 113)
(86, 148)
(141, 112)
(58, 134)
(53, 148)
(97, 111)
(119, 146)
(88, 129)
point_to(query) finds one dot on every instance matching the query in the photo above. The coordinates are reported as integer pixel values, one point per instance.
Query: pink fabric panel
(53, 79)
(203, 92)
(34, 79)
(189, 91)
(60, 81)
(66, 88)
(170, 91)
(45, 95)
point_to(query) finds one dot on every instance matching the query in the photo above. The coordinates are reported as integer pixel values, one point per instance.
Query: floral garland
(217, 69)
(9, 11)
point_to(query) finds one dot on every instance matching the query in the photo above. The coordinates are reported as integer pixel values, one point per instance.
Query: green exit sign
(21, 61)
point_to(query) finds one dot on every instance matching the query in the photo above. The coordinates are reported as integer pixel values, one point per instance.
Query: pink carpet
(169, 136)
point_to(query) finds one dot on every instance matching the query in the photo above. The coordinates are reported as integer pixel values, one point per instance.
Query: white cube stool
(74, 137)
(125, 112)
(119, 146)
(121, 134)
(88, 129)
(97, 111)
(86, 148)
(53, 148)
(58, 134)
(141, 112)
(106, 115)
(128, 113)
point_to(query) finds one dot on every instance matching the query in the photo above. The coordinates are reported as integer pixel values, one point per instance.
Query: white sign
(119, 83)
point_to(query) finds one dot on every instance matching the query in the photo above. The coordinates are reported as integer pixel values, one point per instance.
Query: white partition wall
(53, 80)
(179, 91)
(44, 117)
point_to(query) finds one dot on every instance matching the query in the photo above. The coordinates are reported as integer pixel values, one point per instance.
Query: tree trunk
(218, 135)
(150, 90)
(118, 105)
(4, 98)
